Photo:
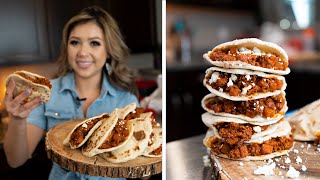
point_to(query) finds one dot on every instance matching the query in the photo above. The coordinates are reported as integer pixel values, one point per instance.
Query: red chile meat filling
(269, 61)
(117, 135)
(265, 107)
(157, 151)
(237, 151)
(137, 113)
(37, 80)
(81, 132)
(259, 84)
(234, 133)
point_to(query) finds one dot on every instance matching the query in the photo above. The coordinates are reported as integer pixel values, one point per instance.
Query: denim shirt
(64, 106)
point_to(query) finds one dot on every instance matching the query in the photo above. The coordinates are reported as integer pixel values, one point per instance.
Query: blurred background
(30, 35)
(196, 26)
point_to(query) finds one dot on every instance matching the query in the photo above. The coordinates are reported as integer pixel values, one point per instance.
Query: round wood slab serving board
(73, 159)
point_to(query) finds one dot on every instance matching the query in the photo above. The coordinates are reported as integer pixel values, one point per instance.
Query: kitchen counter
(184, 159)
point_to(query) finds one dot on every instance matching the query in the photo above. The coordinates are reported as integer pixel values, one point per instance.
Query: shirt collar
(68, 83)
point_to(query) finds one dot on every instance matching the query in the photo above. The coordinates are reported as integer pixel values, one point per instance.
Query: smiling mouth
(84, 64)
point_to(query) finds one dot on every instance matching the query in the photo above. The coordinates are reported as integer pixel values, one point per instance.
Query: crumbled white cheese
(303, 168)
(244, 50)
(287, 160)
(298, 160)
(262, 107)
(248, 77)
(214, 77)
(256, 51)
(241, 163)
(308, 146)
(302, 146)
(257, 129)
(233, 77)
(84, 125)
(206, 161)
(246, 89)
(265, 169)
(296, 151)
(230, 83)
(220, 89)
(276, 159)
(292, 173)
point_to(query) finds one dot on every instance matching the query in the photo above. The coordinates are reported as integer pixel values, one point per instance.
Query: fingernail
(28, 92)
(38, 99)
(42, 103)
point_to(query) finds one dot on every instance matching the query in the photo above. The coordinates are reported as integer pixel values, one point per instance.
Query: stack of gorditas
(247, 103)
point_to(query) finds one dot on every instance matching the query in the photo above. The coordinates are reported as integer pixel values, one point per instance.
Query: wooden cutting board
(73, 159)
(230, 169)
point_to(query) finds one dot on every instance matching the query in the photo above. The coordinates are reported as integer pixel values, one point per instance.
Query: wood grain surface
(231, 169)
(73, 159)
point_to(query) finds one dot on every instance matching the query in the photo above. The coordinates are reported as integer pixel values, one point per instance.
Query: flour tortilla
(206, 142)
(256, 120)
(267, 47)
(306, 122)
(156, 143)
(67, 139)
(280, 128)
(134, 147)
(104, 131)
(242, 72)
(22, 84)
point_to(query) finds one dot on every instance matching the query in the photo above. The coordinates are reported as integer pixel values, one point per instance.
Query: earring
(109, 68)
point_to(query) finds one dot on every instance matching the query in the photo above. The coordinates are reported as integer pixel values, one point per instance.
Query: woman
(93, 78)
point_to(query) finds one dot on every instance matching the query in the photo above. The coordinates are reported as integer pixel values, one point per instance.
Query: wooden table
(184, 161)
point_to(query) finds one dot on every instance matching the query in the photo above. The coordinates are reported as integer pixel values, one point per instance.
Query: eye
(74, 42)
(95, 43)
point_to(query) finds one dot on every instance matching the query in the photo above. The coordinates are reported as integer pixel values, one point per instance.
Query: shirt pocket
(58, 115)
(55, 118)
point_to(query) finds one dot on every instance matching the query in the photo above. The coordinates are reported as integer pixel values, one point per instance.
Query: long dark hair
(122, 76)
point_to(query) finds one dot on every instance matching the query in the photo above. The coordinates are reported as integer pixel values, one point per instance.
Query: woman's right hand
(16, 107)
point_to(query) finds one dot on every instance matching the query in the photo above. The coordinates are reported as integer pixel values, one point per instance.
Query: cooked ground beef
(81, 132)
(234, 133)
(237, 151)
(137, 113)
(37, 80)
(258, 84)
(157, 151)
(265, 107)
(117, 135)
(266, 61)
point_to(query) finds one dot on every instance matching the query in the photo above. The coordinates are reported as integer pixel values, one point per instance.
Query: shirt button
(56, 114)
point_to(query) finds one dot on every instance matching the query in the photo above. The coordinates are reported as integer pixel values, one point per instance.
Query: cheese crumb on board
(241, 163)
(298, 160)
(287, 160)
(206, 161)
(296, 151)
(303, 168)
(265, 169)
(292, 173)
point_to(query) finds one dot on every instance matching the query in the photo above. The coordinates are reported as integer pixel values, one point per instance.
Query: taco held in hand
(38, 85)
(247, 103)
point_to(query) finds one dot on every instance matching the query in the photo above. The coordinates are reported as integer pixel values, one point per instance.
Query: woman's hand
(16, 107)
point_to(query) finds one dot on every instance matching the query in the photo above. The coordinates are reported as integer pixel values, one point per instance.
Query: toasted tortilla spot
(139, 135)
